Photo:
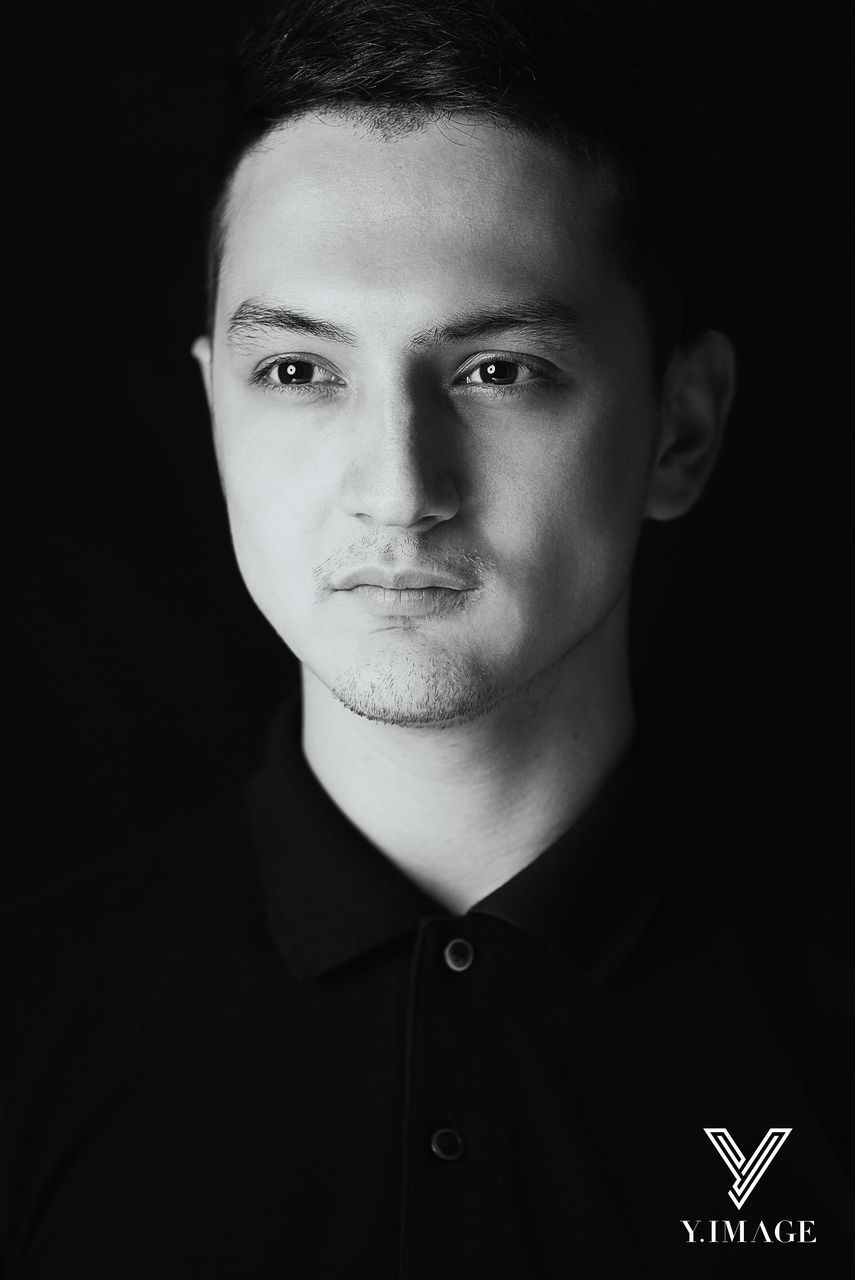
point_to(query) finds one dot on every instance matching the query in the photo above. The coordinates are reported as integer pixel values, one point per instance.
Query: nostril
(374, 494)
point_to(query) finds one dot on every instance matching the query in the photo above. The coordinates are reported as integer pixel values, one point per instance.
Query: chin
(419, 692)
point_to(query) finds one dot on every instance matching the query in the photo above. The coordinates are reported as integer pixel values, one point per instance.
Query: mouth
(404, 592)
(411, 602)
(400, 580)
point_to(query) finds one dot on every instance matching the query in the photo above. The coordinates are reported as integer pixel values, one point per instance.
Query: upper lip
(399, 579)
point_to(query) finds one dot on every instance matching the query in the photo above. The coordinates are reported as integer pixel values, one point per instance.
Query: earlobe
(203, 355)
(697, 395)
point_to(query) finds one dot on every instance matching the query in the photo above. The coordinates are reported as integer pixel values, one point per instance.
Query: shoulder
(771, 877)
(79, 958)
(152, 885)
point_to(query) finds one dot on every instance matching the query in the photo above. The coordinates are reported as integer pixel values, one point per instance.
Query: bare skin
(462, 810)
(436, 494)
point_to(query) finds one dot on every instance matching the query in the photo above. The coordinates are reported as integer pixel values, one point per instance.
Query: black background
(147, 678)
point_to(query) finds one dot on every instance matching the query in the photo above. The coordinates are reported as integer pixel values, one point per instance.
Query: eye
(289, 373)
(295, 372)
(501, 372)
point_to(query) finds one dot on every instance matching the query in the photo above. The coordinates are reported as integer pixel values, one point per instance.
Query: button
(459, 954)
(447, 1144)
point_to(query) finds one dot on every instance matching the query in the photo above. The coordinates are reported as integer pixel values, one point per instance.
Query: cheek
(271, 481)
(566, 505)
(611, 480)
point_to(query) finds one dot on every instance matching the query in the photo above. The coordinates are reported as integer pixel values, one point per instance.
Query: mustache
(407, 552)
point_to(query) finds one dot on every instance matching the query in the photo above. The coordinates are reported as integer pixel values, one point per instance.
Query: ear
(697, 394)
(203, 355)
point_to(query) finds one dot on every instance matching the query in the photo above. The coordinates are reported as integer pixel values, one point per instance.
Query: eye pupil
(294, 371)
(498, 372)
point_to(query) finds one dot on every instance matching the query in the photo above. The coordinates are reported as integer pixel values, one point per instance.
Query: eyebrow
(254, 320)
(553, 321)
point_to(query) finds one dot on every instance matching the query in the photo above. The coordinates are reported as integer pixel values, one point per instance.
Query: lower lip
(411, 602)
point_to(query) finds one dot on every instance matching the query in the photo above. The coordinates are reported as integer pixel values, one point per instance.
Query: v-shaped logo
(746, 1173)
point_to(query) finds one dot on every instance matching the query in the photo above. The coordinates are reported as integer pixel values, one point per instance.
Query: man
(471, 982)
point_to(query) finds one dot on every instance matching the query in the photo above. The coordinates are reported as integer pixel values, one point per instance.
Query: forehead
(457, 210)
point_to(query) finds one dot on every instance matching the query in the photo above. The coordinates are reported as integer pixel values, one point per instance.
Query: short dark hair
(600, 77)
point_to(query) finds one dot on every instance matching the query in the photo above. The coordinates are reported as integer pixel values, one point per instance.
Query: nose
(400, 470)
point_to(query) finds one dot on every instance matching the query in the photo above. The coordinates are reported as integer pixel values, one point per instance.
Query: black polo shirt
(254, 1048)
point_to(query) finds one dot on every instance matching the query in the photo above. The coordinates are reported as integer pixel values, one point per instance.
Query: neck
(462, 808)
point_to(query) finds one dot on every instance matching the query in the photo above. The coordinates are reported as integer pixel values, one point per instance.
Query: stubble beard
(428, 691)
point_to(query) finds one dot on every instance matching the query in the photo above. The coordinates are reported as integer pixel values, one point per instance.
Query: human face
(433, 409)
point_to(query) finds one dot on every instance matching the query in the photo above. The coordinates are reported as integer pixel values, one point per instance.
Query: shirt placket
(454, 1066)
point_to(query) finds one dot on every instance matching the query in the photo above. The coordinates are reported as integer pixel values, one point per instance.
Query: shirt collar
(331, 896)
(591, 893)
